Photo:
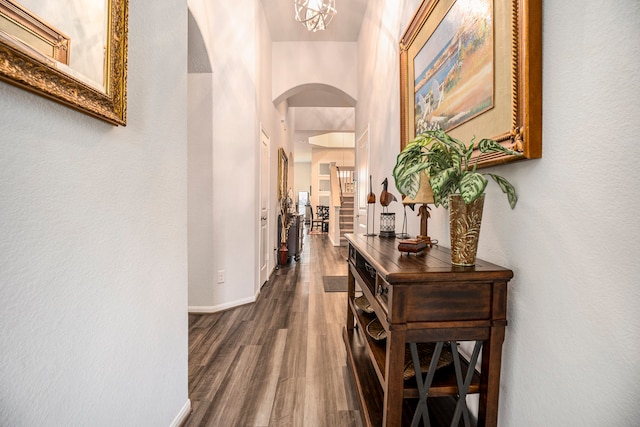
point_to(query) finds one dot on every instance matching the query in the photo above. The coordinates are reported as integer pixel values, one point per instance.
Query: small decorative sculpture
(371, 201)
(371, 198)
(387, 219)
(386, 197)
(403, 234)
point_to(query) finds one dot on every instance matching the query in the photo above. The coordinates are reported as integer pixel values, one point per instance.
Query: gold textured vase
(464, 226)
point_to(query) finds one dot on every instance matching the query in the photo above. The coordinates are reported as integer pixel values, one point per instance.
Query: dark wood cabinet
(424, 299)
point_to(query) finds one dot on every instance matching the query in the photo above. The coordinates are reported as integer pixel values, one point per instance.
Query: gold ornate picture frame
(24, 67)
(283, 173)
(515, 116)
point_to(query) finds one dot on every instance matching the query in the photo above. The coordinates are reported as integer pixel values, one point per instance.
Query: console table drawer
(445, 301)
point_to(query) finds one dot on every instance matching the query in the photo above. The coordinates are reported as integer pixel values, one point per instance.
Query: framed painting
(473, 68)
(283, 173)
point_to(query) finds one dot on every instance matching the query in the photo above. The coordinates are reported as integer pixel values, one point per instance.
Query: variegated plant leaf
(451, 145)
(469, 154)
(441, 197)
(472, 185)
(411, 185)
(443, 184)
(489, 146)
(406, 173)
(507, 188)
(450, 141)
(439, 159)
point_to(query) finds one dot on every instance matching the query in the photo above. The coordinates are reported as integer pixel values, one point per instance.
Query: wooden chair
(323, 214)
(316, 222)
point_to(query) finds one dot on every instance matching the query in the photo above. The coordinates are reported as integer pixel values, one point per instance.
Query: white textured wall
(302, 171)
(325, 119)
(202, 277)
(570, 355)
(379, 103)
(301, 63)
(276, 123)
(239, 48)
(235, 138)
(93, 250)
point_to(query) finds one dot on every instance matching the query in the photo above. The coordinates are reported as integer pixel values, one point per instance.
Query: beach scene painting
(454, 69)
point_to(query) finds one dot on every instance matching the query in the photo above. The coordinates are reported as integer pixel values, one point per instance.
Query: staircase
(346, 217)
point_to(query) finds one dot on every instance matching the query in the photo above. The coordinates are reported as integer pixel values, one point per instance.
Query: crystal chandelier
(315, 15)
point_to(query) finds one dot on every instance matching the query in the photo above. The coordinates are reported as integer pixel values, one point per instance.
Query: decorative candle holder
(388, 224)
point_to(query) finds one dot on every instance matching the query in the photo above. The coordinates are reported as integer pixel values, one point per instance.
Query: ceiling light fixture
(315, 15)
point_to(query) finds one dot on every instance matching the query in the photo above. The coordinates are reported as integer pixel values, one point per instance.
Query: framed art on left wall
(283, 173)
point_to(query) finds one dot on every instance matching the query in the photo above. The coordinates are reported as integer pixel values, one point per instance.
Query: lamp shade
(424, 195)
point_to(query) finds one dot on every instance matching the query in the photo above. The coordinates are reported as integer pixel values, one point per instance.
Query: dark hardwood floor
(281, 360)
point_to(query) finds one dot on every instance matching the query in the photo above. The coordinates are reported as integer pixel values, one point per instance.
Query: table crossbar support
(423, 387)
(463, 384)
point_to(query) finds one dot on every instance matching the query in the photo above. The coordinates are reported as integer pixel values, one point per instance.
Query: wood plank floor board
(295, 354)
(280, 361)
(220, 352)
(268, 377)
(235, 387)
(288, 406)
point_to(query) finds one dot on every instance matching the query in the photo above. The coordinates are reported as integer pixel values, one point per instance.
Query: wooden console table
(424, 299)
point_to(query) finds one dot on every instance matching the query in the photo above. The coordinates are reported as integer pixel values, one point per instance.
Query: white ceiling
(344, 27)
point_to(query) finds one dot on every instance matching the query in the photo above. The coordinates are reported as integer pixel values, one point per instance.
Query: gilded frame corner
(41, 77)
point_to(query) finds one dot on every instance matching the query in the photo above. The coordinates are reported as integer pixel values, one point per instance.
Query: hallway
(279, 361)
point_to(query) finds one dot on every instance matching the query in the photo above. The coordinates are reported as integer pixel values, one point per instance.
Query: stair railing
(340, 181)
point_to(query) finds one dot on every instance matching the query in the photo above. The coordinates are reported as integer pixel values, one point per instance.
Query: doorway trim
(362, 171)
(264, 199)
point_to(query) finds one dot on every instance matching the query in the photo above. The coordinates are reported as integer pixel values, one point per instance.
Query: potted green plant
(455, 181)
(285, 223)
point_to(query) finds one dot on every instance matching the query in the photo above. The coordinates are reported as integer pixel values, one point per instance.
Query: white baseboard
(182, 415)
(198, 309)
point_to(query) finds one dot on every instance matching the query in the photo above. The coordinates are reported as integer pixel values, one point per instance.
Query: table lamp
(423, 197)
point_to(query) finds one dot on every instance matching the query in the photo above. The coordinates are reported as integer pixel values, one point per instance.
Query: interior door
(264, 208)
(362, 189)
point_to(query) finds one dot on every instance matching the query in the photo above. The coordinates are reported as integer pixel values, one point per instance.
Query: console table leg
(394, 368)
(351, 293)
(490, 374)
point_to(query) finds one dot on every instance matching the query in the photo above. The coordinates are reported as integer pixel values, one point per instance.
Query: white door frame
(263, 209)
(362, 176)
